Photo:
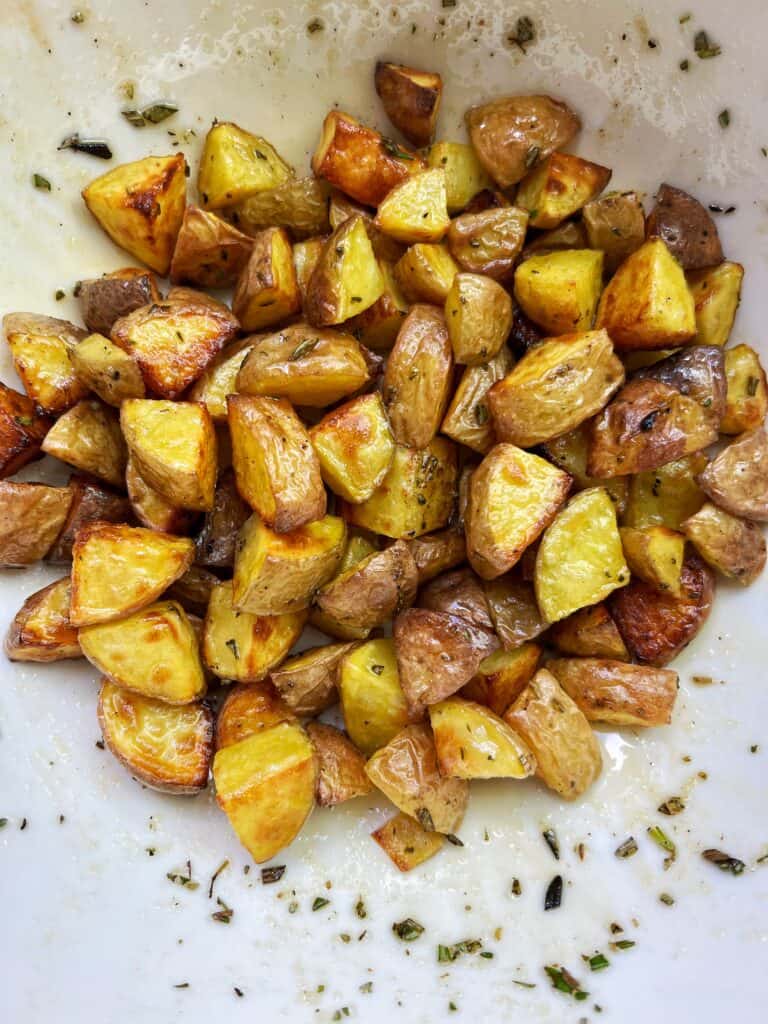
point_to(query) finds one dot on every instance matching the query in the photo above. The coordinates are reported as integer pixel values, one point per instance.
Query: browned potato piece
(617, 693)
(151, 508)
(558, 187)
(31, 517)
(248, 708)
(88, 437)
(298, 204)
(164, 747)
(310, 366)
(22, 429)
(355, 447)
(686, 229)
(378, 325)
(468, 420)
(406, 843)
(513, 497)
(218, 379)
(488, 242)
(341, 208)
(235, 164)
(215, 544)
(716, 294)
(474, 743)
(502, 677)
(306, 255)
(425, 273)
(434, 553)
(416, 210)
(667, 495)
(372, 700)
(655, 554)
(737, 478)
(346, 279)
(90, 501)
(411, 100)
(568, 757)
(275, 465)
(735, 547)
(478, 312)
(697, 372)
(464, 175)
(209, 252)
(341, 766)
(555, 387)
(570, 452)
(569, 235)
(656, 626)
(174, 341)
(459, 593)
(372, 591)
(308, 682)
(747, 395)
(406, 771)
(358, 548)
(267, 290)
(105, 299)
(615, 224)
(359, 160)
(40, 630)
(514, 611)
(193, 592)
(591, 633)
(560, 290)
(513, 133)
(111, 373)
(437, 653)
(40, 347)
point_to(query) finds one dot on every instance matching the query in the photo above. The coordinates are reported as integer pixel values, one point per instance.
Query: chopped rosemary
(550, 838)
(232, 645)
(626, 849)
(155, 113)
(392, 149)
(222, 867)
(665, 898)
(704, 47)
(425, 819)
(41, 182)
(180, 879)
(564, 981)
(225, 915)
(724, 118)
(315, 25)
(3, 822)
(453, 840)
(366, 988)
(525, 32)
(554, 894)
(724, 861)
(674, 805)
(408, 930)
(524, 984)
(623, 944)
(238, 992)
(447, 954)
(319, 902)
(272, 874)
(516, 889)
(377, 669)
(531, 156)
(598, 962)
(659, 836)
(303, 348)
(91, 147)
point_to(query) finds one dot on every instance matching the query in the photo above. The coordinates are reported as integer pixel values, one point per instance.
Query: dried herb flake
(704, 47)
(564, 981)
(91, 147)
(41, 182)
(319, 902)
(724, 861)
(553, 897)
(272, 874)
(408, 930)
(550, 838)
(674, 805)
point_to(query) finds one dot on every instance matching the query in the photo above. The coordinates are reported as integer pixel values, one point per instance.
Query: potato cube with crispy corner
(40, 347)
(22, 430)
(31, 517)
(514, 611)
(106, 369)
(502, 677)
(590, 633)
(341, 766)
(655, 554)
(416, 209)
(358, 548)
(88, 437)
(458, 593)
(265, 784)
(219, 379)
(737, 478)
(40, 630)
(406, 843)
(140, 205)
(346, 279)
(153, 652)
(488, 242)
(464, 174)
(617, 693)
(468, 420)
(667, 495)
(372, 700)
(747, 391)
(103, 300)
(615, 224)
(425, 273)
(298, 204)
(560, 290)
(117, 570)
(164, 747)
(235, 165)
(568, 758)
(474, 743)
(267, 290)
(686, 228)
(570, 452)
(209, 252)
(478, 312)
(355, 447)
(378, 325)
(735, 547)
(716, 294)
(91, 501)
(153, 510)
(434, 553)
(249, 708)
(411, 100)
(308, 682)
(558, 187)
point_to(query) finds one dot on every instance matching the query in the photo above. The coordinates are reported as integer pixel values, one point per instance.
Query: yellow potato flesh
(346, 279)
(40, 630)
(667, 495)
(355, 447)
(503, 675)
(474, 743)
(558, 187)
(464, 174)
(747, 396)
(570, 452)
(372, 699)
(560, 290)
(406, 843)
(716, 293)
(88, 437)
(267, 290)
(425, 273)
(416, 210)
(655, 554)
(106, 369)
(43, 364)
(219, 379)
(235, 165)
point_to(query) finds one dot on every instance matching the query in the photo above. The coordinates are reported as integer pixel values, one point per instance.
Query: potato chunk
(209, 252)
(267, 290)
(265, 784)
(513, 496)
(249, 708)
(655, 554)
(554, 388)
(341, 766)
(358, 548)
(308, 682)
(346, 279)
(591, 633)
(488, 242)
(40, 347)
(406, 771)
(411, 100)
(502, 677)
(276, 468)
(40, 630)
(458, 593)
(355, 447)
(737, 478)
(647, 305)
(151, 509)
(166, 748)
(103, 300)
(378, 325)
(747, 393)
(215, 544)
(416, 209)
(620, 694)
(667, 495)
(567, 754)
(106, 369)
(406, 843)
(298, 204)
(140, 205)
(559, 186)
(735, 547)
(425, 273)
(31, 516)
(478, 312)
(570, 452)
(474, 743)
(90, 502)
(514, 611)
(560, 290)
(686, 228)
(235, 165)
(117, 570)
(615, 224)
(88, 437)
(716, 293)
(372, 700)
(153, 652)
(464, 174)
(219, 379)
(22, 429)
(468, 420)
(435, 552)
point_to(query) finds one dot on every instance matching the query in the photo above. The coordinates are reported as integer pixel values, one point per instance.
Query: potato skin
(467, 420)
(40, 630)
(209, 252)
(411, 100)
(267, 290)
(346, 279)
(298, 204)
(617, 693)
(22, 430)
(459, 593)
(40, 347)
(686, 229)
(615, 224)
(716, 295)
(514, 611)
(434, 553)
(107, 370)
(697, 372)
(502, 677)
(655, 554)
(88, 437)
(236, 164)
(308, 682)
(590, 633)
(151, 509)
(478, 313)
(667, 495)
(103, 300)
(570, 452)
(406, 843)
(747, 391)
(425, 273)
(215, 543)
(31, 517)
(488, 242)
(247, 709)
(737, 478)
(735, 547)
(341, 767)
(193, 592)
(218, 379)
(91, 501)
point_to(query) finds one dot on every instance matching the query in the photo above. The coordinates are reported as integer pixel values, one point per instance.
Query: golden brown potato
(474, 743)
(275, 465)
(164, 747)
(406, 771)
(153, 652)
(267, 290)
(346, 279)
(554, 388)
(305, 258)
(459, 593)
(40, 630)
(425, 273)
(31, 517)
(359, 160)
(513, 133)
(655, 554)
(558, 187)
(215, 544)
(406, 843)
(617, 693)
(478, 312)
(308, 682)
(513, 497)
(416, 209)
(140, 205)
(117, 570)
(514, 611)
(686, 228)
(218, 379)
(468, 419)
(310, 366)
(615, 224)
(105, 299)
(378, 325)
(235, 165)
(90, 501)
(193, 592)
(735, 547)
(502, 677)
(747, 395)
(656, 626)
(560, 290)
(22, 429)
(434, 553)
(590, 633)
(355, 447)
(40, 347)
(298, 204)
(113, 374)
(174, 341)
(488, 242)
(716, 293)
(341, 767)
(411, 100)
(464, 174)
(570, 452)
(737, 478)
(151, 509)
(341, 208)
(667, 495)
(249, 708)
(372, 700)
(567, 754)
(88, 437)
(209, 252)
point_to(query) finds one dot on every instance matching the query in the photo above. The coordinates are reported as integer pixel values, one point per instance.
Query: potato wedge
(249, 708)
(464, 174)
(406, 843)
(267, 289)
(117, 570)
(502, 677)
(416, 209)
(617, 693)
(488, 242)
(88, 437)
(716, 294)
(346, 279)
(31, 517)
(215, 544)
(378, 325)
(40, 630)
(615, 224)
(737, 478)
(298, 204)
(513, 497)
(355, 447)
(478, 312)
(560, 290)
(590, 633)
(411, 100)
(166, 748)
(558, 187)
(425, 273)
(151, 509)
(459, 593)
(656, 626)
(686, 229)
(511, 134)
(570, 452)
(40, 347)
(747, 391)
(277, 573)
(667, 495)
(467, 419)
(646, 304)
(434, 553)
(310, 366)
(372, 700)
(219, 379)
(209, 252)
(276, 469)
(265, 784)
(140, 205)
(22, 429)
(235, 165)
(474, 743)
(341, 767)
(568, 758)
(111, 373)
(193, 592)
(308, 682)
(90, 502)
(655, 554)
(735, 547)
(514, 611)
(244, 647)
(103, 300)
(153, 652)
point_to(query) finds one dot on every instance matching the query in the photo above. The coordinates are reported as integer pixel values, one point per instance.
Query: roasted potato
(341, 767)
(467, 419)
(686, 229)
(346, 279)
(277, 573)
(513, 496)
(235, 165)
(249, 708)
(215, 544)
(406, 843)
(140, 205)
(735, 547)
(502, 677)
(111, 373)
(406, 771)
(298, 204)
(416, 209)
(737, 478)
(88, 437)
(436, 552)
(219, 379)
(512, 134)
(655, 554)
(571, 234)
(590, 633)
(40, 630)
(411, 100)
(464, 174)
(667, 495)
(570, 452)
(153, 652)
(656, 625)
(266, 784)
(267, 289)
(359, 547)
(558, 187)
(151, 509)
(617, 693)
(646, 304)
(478, 312)
(341, 208)
(378, 325)
(31, 517)
(615, 224)
(193, 592)
(174, 341)
(209, 252)
(40, 347)
(554, 388)
(488, 242)
(425, 273)
(276, 469)
(567, 754)
(699, 373)
(164, 747)
(474, 743)
(308, 682)
(747, 391)
(716, 293)
(103, 300)
(459, 593)
(560, 290)
(514, 611)
(305, 258)
(90, 502)
(22, 429)
(355, 447)
(372, 700)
